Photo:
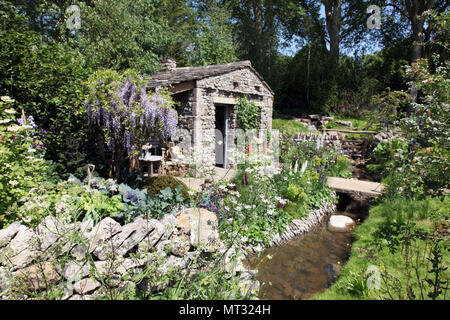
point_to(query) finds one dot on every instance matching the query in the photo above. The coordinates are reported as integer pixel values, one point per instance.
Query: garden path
(219, 174)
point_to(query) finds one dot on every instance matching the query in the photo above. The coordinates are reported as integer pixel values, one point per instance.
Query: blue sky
(294, 47)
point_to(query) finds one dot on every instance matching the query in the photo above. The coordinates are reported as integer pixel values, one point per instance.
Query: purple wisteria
(131, 114)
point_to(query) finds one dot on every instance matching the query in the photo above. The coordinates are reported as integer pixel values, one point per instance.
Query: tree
(301, 20)
(45, 17)
(257, 34)
(214, 40)
(46, 79)
(122, 34)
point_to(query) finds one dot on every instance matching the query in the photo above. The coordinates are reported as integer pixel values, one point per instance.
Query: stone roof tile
(184, 74)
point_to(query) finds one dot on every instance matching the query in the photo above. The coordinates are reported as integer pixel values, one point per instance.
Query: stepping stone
(340, 223)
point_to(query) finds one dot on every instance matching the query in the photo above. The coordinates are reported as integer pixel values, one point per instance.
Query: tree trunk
(417, 35)
(415, 8)
(259, 45)
(333, 12)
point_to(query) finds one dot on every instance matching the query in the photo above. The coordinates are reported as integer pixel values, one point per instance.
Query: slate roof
(184, 74)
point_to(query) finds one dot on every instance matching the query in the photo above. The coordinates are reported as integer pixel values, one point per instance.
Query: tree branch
(403, 13)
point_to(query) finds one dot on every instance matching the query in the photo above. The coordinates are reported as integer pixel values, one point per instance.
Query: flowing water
(305, 265)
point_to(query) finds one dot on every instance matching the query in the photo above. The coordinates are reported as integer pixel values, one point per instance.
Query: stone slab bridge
(356, 187)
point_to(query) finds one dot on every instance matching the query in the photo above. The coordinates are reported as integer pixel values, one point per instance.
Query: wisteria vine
(130, 115)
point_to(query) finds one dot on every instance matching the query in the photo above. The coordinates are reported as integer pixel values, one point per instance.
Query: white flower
(246, 207)
(13, 182)
(5, 120)
(10, 111)
(65, 198)
(7, 99)
(14, 128)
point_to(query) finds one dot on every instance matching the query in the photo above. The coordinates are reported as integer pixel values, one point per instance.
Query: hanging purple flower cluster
(130, 112)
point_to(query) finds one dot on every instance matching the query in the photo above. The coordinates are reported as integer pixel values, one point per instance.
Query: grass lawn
(358, 124)
(288, 127)
(352, 282)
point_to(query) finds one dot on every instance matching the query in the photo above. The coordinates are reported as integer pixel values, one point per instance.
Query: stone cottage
(207, 97)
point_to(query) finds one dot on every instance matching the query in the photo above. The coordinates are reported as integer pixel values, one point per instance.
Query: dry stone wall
(304, 225)
(84, 259)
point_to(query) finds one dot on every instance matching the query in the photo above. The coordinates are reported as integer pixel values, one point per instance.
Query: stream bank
(308, 263)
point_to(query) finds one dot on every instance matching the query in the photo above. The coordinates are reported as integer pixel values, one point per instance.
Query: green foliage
(98, 206)
(356, 102)
(295, 193)
(69, 198)
(390, 106)
(46, 78)
(137, 42)
(156, 184)
(119, 105)
(315, 93)
(355, 285)
(256, 35)
(400, 242)
(288, 127)
(248, 114)
(386, 154)
(430, 122)
(341, 168)
(423, 169)
(22, 163)
(214, 35)
(168, 200)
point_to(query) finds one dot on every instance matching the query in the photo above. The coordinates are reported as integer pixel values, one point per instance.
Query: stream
(309, 263)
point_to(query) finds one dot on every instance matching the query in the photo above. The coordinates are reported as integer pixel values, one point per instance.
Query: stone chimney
(168, 64)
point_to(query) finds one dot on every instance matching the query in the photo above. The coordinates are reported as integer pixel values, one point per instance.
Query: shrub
(47, 80)
(296, 193)
(159, 183)
(248, 114)
(386, 154)
(22, 163)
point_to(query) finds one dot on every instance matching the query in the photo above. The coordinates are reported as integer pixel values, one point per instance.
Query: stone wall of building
(224, 90)
(197, 109)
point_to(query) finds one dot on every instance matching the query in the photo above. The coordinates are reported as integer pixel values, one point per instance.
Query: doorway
(221, 132)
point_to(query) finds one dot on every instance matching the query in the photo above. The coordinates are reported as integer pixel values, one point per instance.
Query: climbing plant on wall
(248, 114)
